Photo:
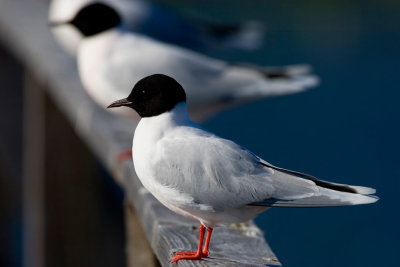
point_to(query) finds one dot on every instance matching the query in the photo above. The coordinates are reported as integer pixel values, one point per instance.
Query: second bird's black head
(153, 95)
(93, 19)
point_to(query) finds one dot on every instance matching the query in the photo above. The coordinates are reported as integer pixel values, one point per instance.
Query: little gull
(210, 179)
(162, 23)
(110, 58)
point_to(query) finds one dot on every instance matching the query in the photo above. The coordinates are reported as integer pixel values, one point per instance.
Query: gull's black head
(94, 18)
(153, 95)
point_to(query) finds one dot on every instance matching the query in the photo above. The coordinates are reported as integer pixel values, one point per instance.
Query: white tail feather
(347, 198)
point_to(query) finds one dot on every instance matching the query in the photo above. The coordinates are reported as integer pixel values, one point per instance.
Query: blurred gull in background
(161, 23)
(111, 59)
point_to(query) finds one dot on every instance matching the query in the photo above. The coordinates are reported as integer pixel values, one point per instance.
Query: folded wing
(231, 176)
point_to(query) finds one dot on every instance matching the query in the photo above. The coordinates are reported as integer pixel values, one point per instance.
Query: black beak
(120, 103)
(57, 23)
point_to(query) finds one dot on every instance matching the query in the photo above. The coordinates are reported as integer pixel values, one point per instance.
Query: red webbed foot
(200, 253)
(187, 255)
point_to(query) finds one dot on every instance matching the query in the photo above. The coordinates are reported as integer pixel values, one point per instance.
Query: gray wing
(219, 173)
(207, 81)
(134, 56)
(330, 194)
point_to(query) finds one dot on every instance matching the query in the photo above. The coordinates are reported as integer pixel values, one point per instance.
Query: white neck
(177, 116)
(93, 54)
(153, 128)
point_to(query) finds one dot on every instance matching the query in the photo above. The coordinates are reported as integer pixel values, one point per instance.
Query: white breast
(147, 144)
(144, 153)
(93, 57)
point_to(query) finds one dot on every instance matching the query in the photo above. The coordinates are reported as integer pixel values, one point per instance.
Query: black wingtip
(328, 185)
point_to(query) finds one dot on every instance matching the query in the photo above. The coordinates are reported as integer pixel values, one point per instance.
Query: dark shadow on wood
(84, 225)
(140, 252)
(11, 74)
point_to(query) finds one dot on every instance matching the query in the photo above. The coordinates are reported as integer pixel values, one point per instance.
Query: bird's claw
(187, 255)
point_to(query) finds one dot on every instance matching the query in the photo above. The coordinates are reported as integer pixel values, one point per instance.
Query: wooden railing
(24, 31)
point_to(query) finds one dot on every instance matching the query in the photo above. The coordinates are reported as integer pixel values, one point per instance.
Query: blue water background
(347, 130)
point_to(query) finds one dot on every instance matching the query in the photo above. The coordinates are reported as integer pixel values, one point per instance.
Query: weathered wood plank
(33, 174)
(140, 252)
(24, 29)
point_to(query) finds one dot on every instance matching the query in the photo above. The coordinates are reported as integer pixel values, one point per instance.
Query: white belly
(144, 151)
(93, 57)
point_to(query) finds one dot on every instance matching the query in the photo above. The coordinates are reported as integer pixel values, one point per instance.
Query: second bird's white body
(110, 63)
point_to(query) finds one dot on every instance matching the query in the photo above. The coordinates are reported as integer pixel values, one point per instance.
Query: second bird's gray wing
(210, 84)
(134, 56)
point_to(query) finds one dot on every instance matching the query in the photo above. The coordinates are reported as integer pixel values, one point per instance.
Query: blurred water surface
(346, 130)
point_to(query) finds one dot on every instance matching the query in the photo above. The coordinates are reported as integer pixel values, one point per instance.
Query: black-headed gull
(161, 23)
(111, 60)
(213, 180)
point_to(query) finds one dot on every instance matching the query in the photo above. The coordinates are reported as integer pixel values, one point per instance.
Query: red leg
(202, 232)
(124, 155)
(191, 255)
(208, 238)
